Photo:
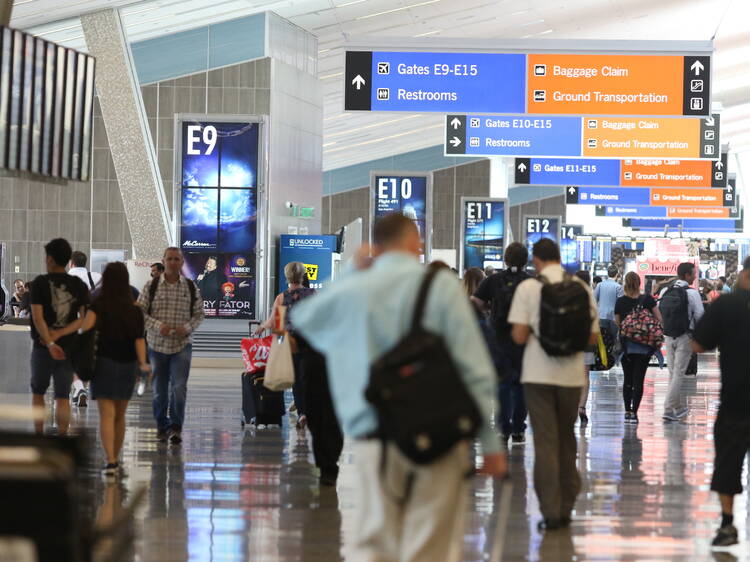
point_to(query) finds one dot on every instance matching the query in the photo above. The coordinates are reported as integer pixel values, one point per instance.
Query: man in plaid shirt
(173, 309)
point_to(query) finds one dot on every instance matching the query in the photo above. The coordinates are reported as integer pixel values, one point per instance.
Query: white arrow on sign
(710, 122)
(358, 82)
(522, 167)
(697, 67)
(456, 123)
(455, 141)
(572, 190)
(730, 188)
(719, 165)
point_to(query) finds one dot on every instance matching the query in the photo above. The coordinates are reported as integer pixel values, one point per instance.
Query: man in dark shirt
(57, 300)
(726, 325)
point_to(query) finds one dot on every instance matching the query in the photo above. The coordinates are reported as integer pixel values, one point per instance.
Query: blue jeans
(170, 386)
(512, 408)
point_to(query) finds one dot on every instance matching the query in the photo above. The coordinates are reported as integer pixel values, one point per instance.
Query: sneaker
(518, 438)
(628, 417)
(633, 417)
(141, 388)
(725, 536)
(110, 470)
(162, 435)
(175, 436)
(273, 426)
(261, 426)
(670, 416)
(682, 412)
(82, 399)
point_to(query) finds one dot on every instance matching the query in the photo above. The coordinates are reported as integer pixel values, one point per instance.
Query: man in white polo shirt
(552, 387)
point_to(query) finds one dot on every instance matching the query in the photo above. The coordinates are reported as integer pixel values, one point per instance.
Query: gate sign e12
(315, 252)
(405, 193)
(484, 222)
(538, 227)
(519, 81)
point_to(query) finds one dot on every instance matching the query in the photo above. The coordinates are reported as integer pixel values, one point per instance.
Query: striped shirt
(171, 306)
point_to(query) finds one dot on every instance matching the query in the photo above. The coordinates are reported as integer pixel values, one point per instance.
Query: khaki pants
(428, 526)
(678, 358)
(553, 410)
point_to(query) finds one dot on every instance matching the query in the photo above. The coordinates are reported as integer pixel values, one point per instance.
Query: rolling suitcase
(260, 406)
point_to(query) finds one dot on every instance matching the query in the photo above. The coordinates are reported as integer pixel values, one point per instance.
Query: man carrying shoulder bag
(370, 325)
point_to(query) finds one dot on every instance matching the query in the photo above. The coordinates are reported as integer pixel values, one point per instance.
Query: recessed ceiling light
(397, 9)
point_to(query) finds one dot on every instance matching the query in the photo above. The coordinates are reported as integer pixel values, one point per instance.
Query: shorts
(732, 442)
(113, 380)
(43, 367)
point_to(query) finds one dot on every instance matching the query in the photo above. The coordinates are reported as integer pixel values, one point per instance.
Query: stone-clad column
(129, 137)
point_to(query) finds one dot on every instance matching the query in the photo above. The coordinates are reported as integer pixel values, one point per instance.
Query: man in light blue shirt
(355, 321)
(606, 294)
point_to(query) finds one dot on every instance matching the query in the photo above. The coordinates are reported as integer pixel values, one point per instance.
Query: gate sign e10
(647, 83)
(405, 193)
(484, 222)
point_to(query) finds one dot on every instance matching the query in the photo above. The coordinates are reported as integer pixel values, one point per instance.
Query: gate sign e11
(521, 81)
(537, 227)
(405, 192)
(484, 221)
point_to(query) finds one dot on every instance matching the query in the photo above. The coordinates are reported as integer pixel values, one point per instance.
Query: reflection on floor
(229, 494)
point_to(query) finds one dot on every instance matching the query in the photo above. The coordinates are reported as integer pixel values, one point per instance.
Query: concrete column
(499, 176)
(129, 137)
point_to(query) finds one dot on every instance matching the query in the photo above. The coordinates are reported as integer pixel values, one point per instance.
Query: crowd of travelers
(410, 364)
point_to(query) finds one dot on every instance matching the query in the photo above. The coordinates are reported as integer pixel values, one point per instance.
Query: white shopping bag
(279, 368)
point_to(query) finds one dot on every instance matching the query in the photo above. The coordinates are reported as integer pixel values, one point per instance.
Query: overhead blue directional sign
(567, 171)
(693, 225)
(607, 196)
(628, 211)
(513, 135)
(444, 82)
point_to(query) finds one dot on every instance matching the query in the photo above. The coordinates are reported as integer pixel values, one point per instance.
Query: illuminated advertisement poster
(483, 223)
(316, 252)
(219, 208)
(405, 193)
(569, 257)
(537, 227)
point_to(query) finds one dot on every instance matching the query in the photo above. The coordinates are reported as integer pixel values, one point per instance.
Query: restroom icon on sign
(384, 94)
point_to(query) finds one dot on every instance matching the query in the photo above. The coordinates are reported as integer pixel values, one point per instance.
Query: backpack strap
(91, 280)
(416, 322)
(193, 295)
(152, 293)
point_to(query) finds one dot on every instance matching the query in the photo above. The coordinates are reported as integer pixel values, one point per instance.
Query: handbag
(83, 355)
(255, 352)
(279, 368)
(641, 326)
(604, 356)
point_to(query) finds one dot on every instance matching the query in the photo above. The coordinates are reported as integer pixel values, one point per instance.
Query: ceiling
(351, 138)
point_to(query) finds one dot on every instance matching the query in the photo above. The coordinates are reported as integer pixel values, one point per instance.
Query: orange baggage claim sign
(604, 84)
(648, 137)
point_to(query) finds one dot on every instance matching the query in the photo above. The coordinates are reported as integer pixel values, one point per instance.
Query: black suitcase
(260, 406)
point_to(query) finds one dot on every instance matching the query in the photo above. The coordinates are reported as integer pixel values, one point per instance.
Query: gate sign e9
(205, 135)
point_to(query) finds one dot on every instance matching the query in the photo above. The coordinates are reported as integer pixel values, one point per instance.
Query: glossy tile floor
(229, 494)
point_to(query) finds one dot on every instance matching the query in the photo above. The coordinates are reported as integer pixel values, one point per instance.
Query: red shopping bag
(255, 353)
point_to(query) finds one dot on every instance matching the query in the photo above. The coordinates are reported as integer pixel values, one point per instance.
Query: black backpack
(673, 306)
(503, 298)
(564, 317)
(422, 403)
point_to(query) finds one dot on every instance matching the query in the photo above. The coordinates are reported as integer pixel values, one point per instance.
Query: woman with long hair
(120, 354)
(472, 279)
(636, 355)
